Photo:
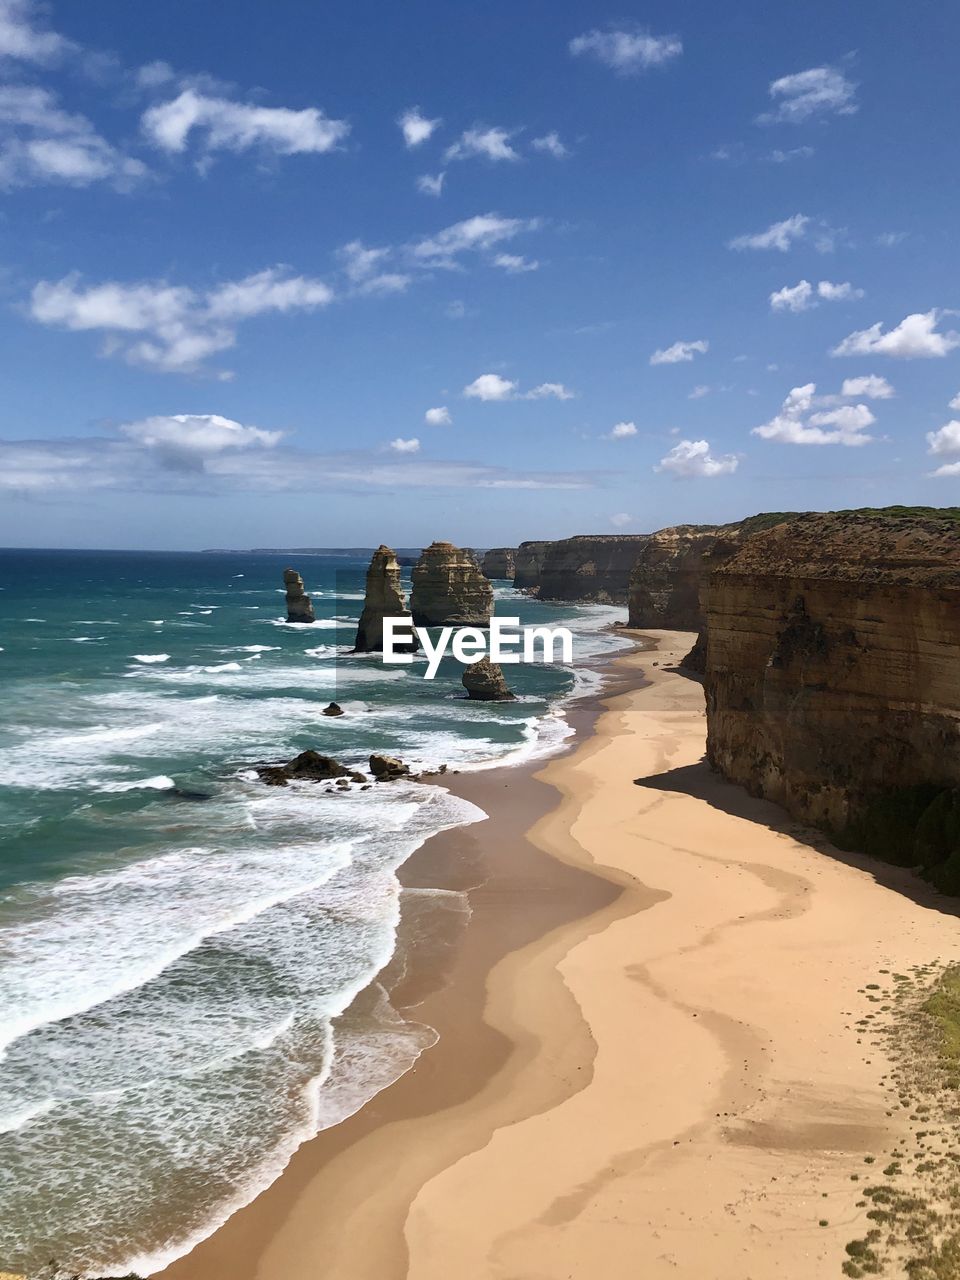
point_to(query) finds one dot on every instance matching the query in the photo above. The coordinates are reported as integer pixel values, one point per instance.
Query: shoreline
(667, 1080)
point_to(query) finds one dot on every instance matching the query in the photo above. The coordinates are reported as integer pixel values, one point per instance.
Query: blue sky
(647, 265)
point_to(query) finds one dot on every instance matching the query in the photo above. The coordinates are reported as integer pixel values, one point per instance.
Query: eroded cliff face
(299, 604)
(448, 587)
(667, 574)
(528, 565)
(499, 562)
(591, 567)
(833, 678)
(383, 598)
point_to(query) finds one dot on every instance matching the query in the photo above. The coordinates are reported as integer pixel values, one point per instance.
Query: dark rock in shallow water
(308, 766)
(388, 768)
(484, 682)
(334, 709)
(299, 604)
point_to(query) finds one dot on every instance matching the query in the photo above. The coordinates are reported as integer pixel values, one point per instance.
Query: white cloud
(405, 446)
(490, 386)
(515, 264)
(945, 443)
(698, 393)
(23, 41)
(870, 386)
(818, 92)
(551, 145)
(622, 431)
(780, 235)
(430, 184)
(628, 52)
(40, 143)
(171, 328)
(803, 297)
(439, 417)
(621, 519)
(890, 239)
(362, 266)
(416, 128)
(692, 458)
(481, 233)
(915, 337)
(792, 153)
(188, 440)
(238, 126)
(955, 402)
(680, 352)
(800, 421)
(492, 143)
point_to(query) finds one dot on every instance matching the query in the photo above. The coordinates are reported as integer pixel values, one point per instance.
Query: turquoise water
(178, 942)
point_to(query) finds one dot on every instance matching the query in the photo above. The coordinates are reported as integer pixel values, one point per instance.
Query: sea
(189, 958)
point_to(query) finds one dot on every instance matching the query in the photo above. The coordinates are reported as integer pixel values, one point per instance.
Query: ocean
(179, 943)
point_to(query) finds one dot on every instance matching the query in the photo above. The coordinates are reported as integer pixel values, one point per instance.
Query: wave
(151, 657)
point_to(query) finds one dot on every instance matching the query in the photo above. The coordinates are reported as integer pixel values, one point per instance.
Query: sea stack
(384, 598)
(484, 682)
(499, 562)
(299, 604)
(448, 587)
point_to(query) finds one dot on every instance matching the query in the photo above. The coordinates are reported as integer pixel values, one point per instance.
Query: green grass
(944, 1007)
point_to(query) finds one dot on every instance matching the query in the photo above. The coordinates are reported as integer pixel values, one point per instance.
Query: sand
(649, 1063)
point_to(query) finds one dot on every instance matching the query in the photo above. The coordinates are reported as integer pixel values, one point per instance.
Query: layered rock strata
(499, 562)
(833, 678)
(383, 598)
(528, 565)
(592, 567)
(664, 590)
(484, 681)
(448, 587)
(299, 604)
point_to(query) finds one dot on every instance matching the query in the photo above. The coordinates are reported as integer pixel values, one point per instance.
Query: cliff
(383, 598)
(528, 564)
(299, 604)
(499, 563)
(595, 567)
(448, 587)
(833, 678)
(664, 588)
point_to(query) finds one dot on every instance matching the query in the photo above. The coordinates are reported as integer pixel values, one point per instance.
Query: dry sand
(667, 1079)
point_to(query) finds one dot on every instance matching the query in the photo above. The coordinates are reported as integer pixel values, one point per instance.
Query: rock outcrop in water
(499, 562)
(595, 567)
(299, 604)
(484, 681)
(528, 565)
(448, 587)
(388, 768)
(384, 598)
(308, 766)
(833, 678)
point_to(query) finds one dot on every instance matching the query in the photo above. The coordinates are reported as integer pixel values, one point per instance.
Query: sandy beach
(648, 1064)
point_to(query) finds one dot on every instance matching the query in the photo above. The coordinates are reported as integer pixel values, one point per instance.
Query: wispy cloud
(225, 125)
(680, 352)
(491, 386)
(171, 328)
(692, 459)
(23, 38)
(805, 296)
(551, 145)
(482, 233)
(621, 519)
(515, 264)
(820, 91)
(699, 392)
(628, 50)
(416, 128)
(915, 337)
(779, 235)
(430, 184)
(489, 143)
(365, 268)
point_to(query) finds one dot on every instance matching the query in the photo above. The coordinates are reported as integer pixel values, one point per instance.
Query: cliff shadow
(702, 783)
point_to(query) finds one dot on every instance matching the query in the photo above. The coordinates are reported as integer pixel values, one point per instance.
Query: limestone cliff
(664, 589)
(484, 681)
(384, 598)
(448, 587)
(299, 604)
(528, 564)
(595, 567)
(499, 563)
(833, 678)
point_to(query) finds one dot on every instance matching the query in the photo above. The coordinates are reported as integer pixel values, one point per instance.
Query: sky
(343, 272)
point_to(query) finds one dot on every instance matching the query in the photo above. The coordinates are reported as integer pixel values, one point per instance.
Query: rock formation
(299, 604)
(484, 681)
(448, 587)
(833, 678)
(664, 590)
(332, 709)
(528, 565)
(595, 567)
(388, 768)
(308, 766)
(384, 598)
(499, 563)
